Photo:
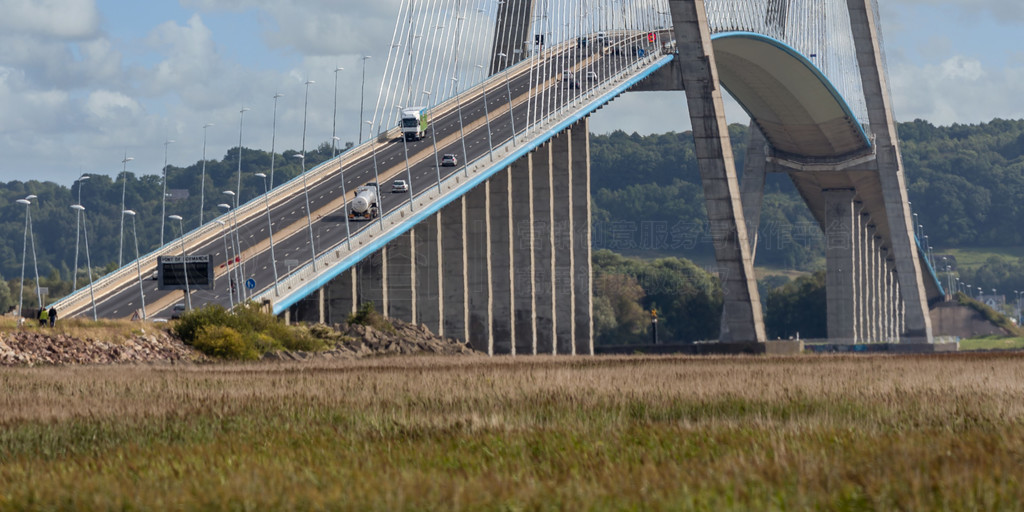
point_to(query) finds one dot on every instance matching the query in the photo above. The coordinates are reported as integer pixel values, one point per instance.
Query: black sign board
(171, 274)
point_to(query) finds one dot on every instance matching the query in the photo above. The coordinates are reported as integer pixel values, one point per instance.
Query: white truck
(414, 123)
(364, 206)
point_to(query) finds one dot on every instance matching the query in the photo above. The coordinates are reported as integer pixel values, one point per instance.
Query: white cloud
(957, 90)
(63, 19)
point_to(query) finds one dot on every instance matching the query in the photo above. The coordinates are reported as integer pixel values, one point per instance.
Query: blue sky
(84, 81)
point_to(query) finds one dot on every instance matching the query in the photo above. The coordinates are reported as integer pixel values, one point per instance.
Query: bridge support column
(582, 264)
(503, 328)
(341, 296)
(401, 270)
(525, 310)
(562, 234)
(372, 279)
(429, 306)
(742, 306)
(453, 265)
(511, 29)
(916, 320)
(478, 267)
(544, 250)
(841, 241)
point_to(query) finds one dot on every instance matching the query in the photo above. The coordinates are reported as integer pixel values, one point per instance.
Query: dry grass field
(530, 433)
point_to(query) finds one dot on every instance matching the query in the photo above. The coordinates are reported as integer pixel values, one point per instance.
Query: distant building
(995, 302)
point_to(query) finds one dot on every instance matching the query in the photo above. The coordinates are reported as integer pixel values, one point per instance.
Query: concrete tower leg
(523, 255)
(917, 322)
(502, 284)
(582, 262)
(544, 250)
(478, 267)
(453, 264)
(565, 302)
(742, 306)
(402, 276)
(429, 303)
(341, 292)
(840, 272)
(372, 285)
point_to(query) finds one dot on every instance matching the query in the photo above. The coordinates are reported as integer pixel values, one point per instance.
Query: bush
(224, 342)
(257, 331)
(368, 316)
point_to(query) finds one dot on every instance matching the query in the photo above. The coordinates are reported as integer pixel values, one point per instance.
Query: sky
(85, 82)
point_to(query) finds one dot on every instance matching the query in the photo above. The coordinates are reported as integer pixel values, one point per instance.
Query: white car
(449, 160)
(399, 186)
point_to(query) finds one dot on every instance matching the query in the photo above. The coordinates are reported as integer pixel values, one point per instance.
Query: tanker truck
(414, 123)
(364, 206)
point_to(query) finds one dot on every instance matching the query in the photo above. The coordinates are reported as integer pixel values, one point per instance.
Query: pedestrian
(53, 315)
(43, 317)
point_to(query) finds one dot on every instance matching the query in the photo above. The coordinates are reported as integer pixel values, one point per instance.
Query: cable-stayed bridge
(495, 248)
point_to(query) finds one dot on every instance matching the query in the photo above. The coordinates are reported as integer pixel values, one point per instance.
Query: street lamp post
(202, 184)
(462, 133)
(124, 189)
(408, 171)
(362, 94)
(376, 179)
(273, 139)
(238, 246)
(341, 172)
(437, 165)
(184, 260)
(92, 297)
(27, 201)
(227, 256)
(508, 88)
(305, 188)
(78, 229)
(238, 191)
(334, 125)
(487, 116)
(138, 262)
(270, 227)
(163, 206)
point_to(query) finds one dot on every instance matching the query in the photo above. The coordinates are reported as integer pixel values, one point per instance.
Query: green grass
(992, 343)
(538, 433)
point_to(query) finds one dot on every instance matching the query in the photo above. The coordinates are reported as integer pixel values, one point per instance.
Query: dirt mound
(356, 341)
(31, 348)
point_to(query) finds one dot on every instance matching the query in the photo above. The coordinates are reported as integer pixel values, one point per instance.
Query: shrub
(224, 342)
(367, 315)
(257, 331)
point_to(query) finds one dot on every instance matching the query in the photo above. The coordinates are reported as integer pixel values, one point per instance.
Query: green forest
(965, 183)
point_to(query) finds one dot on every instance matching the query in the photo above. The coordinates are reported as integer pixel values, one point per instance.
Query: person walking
(43, 317)
(53, 315)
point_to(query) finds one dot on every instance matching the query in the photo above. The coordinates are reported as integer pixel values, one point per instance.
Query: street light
(124, 188)
(462, 133)
(163, 207)
(78, 229)
(227, 260)
(88, 261)
(309, 214)
(433, 135)
(362, 94)
(202, 186)
(238, 245)
(305, 189)
(508, 88)
(334, 126)
(348, 233)
(273, 139)
(408, 172)
(184, 260)
(138, 262)
(487, 115)
(270, 228)
(27, 201)
(376, 179)
(241, 116)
